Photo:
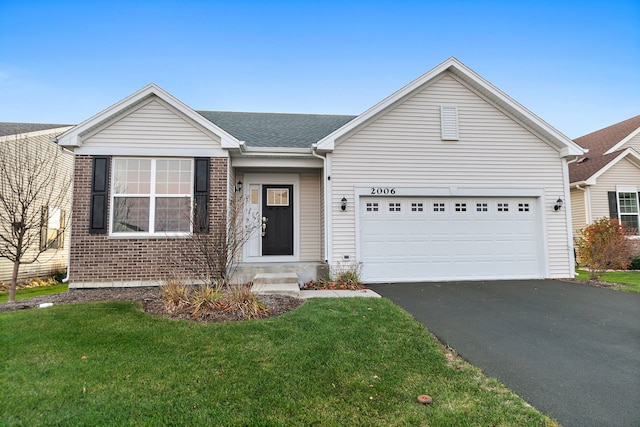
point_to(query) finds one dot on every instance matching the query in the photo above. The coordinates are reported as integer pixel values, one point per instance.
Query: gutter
(327, 204)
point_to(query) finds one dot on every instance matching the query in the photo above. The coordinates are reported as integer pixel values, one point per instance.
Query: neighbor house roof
(604, 147)
(13, 128)
(275, 130)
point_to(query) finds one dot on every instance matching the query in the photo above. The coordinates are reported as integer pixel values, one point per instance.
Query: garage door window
(503, 207)
(523, 207)
(395, 207)
(461, 207)
(372, 207)
(417, 207)
(438, 207)
(482, 207)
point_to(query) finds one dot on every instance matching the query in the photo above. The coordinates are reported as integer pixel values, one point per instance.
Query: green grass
(629, 280)
(35, 292)
(332, 362)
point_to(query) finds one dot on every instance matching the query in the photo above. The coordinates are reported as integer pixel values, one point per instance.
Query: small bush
(176, 295)
(244, 302)
(603, 246)
(635, 263)
(205, 298)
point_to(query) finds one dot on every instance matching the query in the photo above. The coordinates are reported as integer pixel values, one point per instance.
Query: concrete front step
(291, 289)
(268, 278)
(282, 283)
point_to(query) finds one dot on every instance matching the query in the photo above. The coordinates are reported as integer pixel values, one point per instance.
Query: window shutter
(201, 194)
(449, 122)
(99, 193)
(613, 204)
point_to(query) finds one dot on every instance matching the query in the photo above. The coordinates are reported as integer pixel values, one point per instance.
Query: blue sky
(576, 64)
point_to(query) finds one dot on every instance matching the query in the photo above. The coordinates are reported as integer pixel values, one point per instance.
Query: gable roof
(74, 137)
(13, 128)
(609, 139)
(605, 147)
(482, 87)
(275, 130)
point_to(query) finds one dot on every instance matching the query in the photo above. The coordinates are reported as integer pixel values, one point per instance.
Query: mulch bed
(152, 303)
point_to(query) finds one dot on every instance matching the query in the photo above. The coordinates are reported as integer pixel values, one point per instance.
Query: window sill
(140, 236)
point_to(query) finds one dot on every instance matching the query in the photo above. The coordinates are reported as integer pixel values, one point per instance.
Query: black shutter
(201, 188)
(99, 193)
(613, 204)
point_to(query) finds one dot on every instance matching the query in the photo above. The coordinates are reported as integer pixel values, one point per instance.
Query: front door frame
(260, 179)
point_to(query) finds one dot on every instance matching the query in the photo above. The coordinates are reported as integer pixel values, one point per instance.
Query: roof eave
(73, 137)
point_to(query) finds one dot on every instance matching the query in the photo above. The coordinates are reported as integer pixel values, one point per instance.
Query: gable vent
(449, 122)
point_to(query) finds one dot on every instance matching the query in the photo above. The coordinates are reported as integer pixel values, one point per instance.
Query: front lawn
(35, 292)
(332, 362)
(629, 279)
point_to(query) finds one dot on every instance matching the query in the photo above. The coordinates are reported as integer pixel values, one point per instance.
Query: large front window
(151, 196)
(628, 209)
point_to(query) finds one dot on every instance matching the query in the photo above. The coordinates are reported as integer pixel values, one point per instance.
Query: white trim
(623, 142)
(257, 162)
(568, 219)
(75, 136)
(152, 195)
(492, 94)
(274, 179)
(328, 212)
(151, 151)
(443, 191)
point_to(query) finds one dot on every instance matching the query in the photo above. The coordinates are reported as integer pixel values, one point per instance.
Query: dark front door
(277, 209)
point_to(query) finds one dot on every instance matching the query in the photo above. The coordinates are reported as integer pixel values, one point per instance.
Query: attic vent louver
(449, 122)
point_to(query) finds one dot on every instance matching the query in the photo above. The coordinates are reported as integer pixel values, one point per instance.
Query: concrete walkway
(328, 293)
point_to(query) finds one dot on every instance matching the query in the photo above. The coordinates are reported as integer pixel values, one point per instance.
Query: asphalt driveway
(571, 350)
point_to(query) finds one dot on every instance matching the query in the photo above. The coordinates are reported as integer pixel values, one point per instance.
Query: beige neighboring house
(605, 181)
(447, 178)
(39, 137)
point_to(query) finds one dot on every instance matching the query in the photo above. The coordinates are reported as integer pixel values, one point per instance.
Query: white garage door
(415, 239)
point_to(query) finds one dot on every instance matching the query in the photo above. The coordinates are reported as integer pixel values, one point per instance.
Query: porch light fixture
(558, 205)
(343, 204)
(239, 186)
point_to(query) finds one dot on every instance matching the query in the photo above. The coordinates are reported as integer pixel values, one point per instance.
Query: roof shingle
(276, 129)
(598, 143)
(12, 128)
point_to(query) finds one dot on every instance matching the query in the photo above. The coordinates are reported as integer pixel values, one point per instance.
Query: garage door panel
(488, 238)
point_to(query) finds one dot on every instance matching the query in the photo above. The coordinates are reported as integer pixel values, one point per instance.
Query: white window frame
(633, 190)
(152, 195)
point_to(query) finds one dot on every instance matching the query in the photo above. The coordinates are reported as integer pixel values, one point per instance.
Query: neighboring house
(52, 234)
(606, 180)
(446, 179)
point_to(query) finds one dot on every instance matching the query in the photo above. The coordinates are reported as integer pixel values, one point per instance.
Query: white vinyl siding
(310, 219)
(634, 143)
(51, 259)
(578, 210)
(153, 125)
(622, 174)
(403, 147)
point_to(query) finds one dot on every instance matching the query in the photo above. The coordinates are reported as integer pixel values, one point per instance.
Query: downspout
(569, 224)
(327, 204)
(68, 228)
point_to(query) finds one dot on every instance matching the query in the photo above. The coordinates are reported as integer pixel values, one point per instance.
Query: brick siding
(97, 258)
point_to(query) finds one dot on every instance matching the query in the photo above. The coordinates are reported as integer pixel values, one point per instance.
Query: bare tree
(213, 257)
(34, 191)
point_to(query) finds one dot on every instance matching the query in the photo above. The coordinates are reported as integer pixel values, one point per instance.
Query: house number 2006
(383, 190)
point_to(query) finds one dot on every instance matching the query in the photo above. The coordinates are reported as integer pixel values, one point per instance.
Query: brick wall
(97, 258)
